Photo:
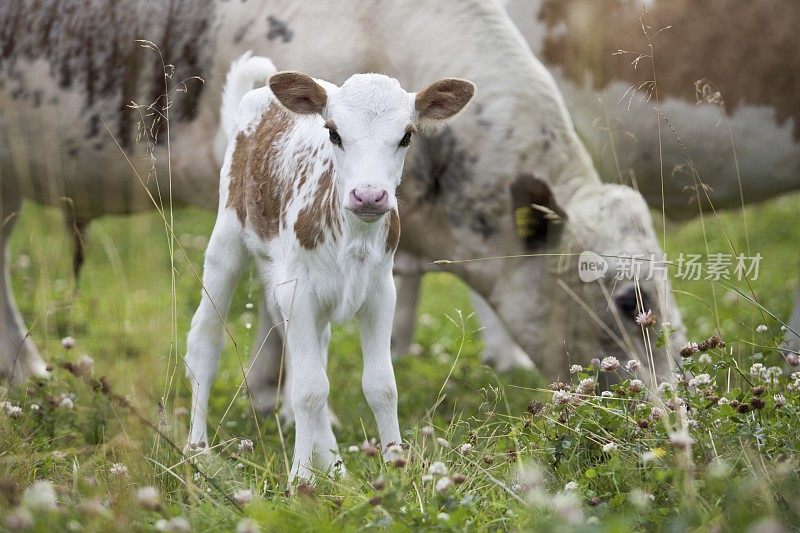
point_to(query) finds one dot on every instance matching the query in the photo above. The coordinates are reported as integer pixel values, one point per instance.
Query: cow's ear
(298, 92)
(538, 219)
(443, 99)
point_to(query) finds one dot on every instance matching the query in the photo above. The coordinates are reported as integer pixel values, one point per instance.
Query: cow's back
(745, 49)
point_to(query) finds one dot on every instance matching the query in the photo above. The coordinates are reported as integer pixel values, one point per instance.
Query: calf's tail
(245, 72)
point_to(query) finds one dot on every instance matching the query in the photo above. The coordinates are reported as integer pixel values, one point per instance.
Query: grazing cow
(68, 75)
(307, 188)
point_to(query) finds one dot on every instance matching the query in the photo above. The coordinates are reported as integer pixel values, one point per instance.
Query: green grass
(741, 468)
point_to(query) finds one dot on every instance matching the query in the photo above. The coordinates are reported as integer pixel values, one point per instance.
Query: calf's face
(371, 121)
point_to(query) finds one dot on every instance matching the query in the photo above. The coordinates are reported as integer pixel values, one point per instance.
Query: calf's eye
(406, 140)
(334, 136)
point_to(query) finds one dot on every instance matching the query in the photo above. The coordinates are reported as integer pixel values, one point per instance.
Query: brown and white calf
(307, 188)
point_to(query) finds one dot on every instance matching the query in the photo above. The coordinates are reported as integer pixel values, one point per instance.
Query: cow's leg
(225, 257)
(264, 373)
(499, 349)
(378, 381)
(18, 355)
(791, 344)
(405, 318)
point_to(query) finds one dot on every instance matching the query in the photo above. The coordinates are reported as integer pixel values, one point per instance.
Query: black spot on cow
(242, 32)
(90, 49)
(443, 177)
(538, 219)
(278, 29)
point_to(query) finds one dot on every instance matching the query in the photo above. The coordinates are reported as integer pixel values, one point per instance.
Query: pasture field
(485, 451)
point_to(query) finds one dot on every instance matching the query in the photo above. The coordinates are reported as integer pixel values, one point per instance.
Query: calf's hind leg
(19, 358)
(225, 257)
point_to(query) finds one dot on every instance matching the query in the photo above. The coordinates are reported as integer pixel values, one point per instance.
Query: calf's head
(370, 121)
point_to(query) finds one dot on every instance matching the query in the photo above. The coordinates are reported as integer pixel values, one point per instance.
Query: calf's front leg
(309, 384)
(378, 382)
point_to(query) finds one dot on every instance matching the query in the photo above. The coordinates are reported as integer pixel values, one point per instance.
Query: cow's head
(611, 278)
(565, 304)
(370, 120)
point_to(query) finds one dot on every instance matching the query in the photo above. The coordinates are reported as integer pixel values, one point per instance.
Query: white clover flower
(442, 442)
(247, 525)
(723, 401)
(465, 448)
(162, 525)
(243, 496)
(562, 397)
(571, 486)
(645, 319)
(437, 468)
(609, 447)
(700, 380)
(772, 374)
(66, 403)
(442, 517)
(118, 469)
(68, 343)
(607, 394)
(633, 365)
(14, 411)
(586, 386)
(40, 496)
(443, 484)
(428, 431)
(426, 478)
(780, 400)
(762, 328)
(34, 407)
(574, 369)
(246, 446)
(704, 359)
(353, 449)
(656, 413)
(148, 498)
(665, 388)
(756, 370)
(609, 364)
(635, 385)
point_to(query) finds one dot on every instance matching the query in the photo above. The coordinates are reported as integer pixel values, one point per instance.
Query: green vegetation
(514, 453)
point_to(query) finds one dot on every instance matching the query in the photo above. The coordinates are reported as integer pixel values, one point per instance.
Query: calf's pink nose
(369, 199)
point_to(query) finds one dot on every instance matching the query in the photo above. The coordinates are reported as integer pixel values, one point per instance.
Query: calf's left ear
(443, 99)
(298, 92)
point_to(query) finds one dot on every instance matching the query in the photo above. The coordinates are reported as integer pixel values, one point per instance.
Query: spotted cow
(70, 70)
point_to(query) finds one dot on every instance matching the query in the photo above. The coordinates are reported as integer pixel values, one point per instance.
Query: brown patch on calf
(392, 231)
(238, 173)
(321, 216)
(747, 48)
(538, 219)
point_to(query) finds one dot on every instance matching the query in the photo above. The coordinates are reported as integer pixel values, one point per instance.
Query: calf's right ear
(298, 92)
